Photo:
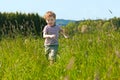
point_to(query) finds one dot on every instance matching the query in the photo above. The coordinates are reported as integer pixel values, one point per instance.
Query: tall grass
(82, 57)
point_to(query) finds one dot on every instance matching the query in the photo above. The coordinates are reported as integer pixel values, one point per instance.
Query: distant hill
(63, 22)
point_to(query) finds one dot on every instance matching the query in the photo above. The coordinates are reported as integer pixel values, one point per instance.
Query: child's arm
(63, 33)
(48, 36)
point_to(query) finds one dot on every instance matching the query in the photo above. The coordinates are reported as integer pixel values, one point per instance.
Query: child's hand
(66, 37)
(52, 36)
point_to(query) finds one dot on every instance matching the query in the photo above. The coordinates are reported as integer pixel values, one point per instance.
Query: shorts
(51, 52)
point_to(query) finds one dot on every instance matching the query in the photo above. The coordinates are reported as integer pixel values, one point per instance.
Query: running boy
(51, 34)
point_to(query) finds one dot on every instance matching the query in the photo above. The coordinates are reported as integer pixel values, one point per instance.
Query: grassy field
(81, 57)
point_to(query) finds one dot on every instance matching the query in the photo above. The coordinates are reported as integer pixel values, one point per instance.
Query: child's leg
(51, 62)
(47, 50)
(53, 53)
(52, 56)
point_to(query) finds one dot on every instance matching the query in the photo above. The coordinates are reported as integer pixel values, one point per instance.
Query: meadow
(88, 56)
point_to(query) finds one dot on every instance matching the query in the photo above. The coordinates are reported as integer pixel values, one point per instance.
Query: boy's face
(50, 21)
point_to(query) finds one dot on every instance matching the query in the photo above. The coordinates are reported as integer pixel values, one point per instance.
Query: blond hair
(49, 14)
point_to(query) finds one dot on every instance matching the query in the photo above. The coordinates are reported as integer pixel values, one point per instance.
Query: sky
(65, 9)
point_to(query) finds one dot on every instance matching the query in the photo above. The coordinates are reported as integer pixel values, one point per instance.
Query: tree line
(93, 26)
(31, 24)
(14, 24)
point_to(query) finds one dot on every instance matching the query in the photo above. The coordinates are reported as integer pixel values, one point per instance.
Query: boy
(51, 34)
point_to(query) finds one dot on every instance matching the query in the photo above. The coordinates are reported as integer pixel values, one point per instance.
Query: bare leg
(51, 62)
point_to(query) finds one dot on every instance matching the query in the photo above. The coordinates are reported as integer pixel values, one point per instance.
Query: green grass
(81, 57)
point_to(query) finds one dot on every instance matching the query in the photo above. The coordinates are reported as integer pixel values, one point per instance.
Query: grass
(82, 57)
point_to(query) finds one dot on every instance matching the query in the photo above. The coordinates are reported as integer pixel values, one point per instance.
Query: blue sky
(65, 9)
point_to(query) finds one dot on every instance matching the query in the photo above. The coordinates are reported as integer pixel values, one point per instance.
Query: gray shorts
(51, 51)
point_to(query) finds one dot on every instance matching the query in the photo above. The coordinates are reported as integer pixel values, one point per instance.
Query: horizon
(68, 10)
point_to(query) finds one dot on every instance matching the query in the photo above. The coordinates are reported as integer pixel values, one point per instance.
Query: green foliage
(91, 26)
(81, 57)
(91, 55)
(115, 22)
(13, 24)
